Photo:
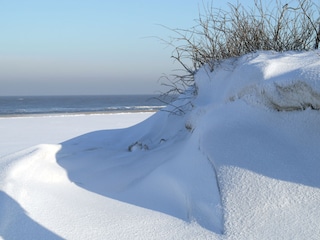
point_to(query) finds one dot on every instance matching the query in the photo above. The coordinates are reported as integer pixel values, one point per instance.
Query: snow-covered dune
(243, 162)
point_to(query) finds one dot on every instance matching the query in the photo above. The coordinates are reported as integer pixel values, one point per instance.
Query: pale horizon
(89, 47)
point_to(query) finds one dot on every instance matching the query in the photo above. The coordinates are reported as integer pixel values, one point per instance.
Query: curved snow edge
(280, 96)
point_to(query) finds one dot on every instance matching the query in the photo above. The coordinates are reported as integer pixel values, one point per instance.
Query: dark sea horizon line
(16, 106)
(81, 95)
(75, 114)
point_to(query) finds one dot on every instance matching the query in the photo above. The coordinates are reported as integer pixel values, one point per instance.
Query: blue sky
(88, 46)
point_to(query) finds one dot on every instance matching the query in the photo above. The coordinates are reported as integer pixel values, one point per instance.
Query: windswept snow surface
(242, 163)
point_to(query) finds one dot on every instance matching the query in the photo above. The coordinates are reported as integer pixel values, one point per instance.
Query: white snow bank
(17, 133)
(279, 81)
(243, 163)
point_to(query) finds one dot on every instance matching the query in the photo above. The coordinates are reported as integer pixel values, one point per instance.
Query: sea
(15, 106)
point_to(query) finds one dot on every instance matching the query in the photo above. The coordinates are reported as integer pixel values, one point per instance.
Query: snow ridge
(282, 84)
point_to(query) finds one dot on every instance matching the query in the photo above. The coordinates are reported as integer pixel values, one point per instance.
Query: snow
(241, 163)
(18, 133)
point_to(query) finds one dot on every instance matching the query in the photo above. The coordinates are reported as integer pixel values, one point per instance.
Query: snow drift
(242, 163)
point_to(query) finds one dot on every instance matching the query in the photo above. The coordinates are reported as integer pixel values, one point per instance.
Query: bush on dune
(219, 35)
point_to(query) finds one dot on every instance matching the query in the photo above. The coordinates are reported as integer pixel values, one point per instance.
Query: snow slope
(242, 163)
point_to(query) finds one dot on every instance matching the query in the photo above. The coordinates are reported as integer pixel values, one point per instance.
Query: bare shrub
(220, 34)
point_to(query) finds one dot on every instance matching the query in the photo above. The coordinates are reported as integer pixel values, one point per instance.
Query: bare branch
(219, 35)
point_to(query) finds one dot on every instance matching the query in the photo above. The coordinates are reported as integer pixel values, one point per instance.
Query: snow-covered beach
(242, 162)
(18, 133)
